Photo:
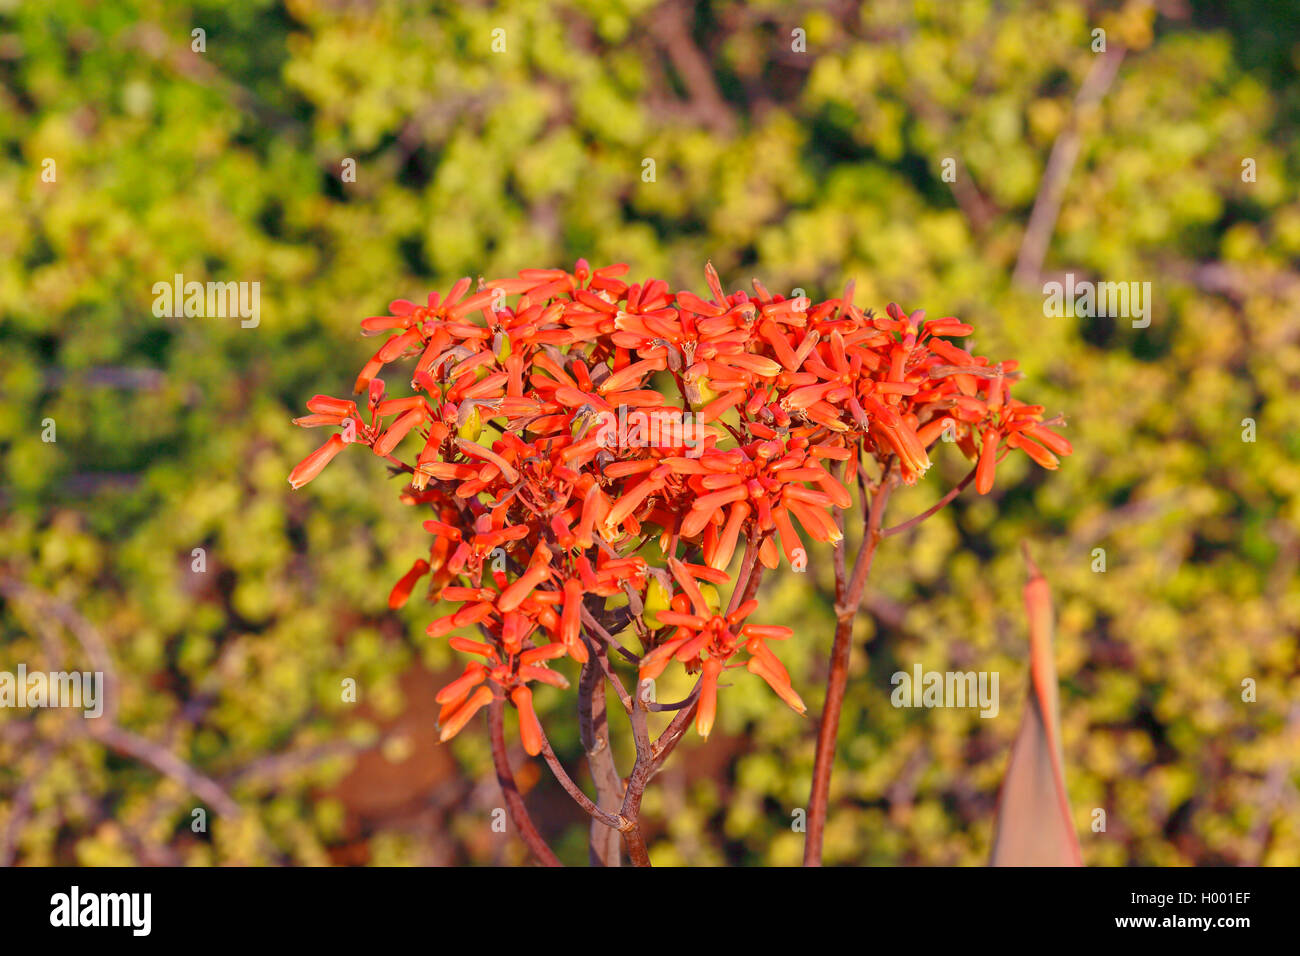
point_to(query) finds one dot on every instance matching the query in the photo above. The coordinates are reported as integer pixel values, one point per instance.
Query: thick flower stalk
(571, 438)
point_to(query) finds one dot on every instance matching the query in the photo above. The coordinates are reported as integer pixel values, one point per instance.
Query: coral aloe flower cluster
(589, 457)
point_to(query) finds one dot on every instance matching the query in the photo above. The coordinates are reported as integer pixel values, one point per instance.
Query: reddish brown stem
(592, 723)
(645, 767)
(933, 509)
(633, 838)
(572, 789)
(514, 801)
(673, 733)
(848, 596)
(649, 758)
(747, 565)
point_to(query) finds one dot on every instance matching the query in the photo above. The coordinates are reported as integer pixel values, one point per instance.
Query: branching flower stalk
(564, 441)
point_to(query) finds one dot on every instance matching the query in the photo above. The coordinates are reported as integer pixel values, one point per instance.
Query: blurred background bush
(805, 169)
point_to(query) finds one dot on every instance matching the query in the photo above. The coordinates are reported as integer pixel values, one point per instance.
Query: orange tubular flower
(530, 729)
(708, 706)
(315, 463)
(462, 714)
(562, 424)
(987, 462)
(402, 589)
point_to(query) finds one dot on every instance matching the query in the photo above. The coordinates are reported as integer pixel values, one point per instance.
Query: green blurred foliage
(805, 169)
